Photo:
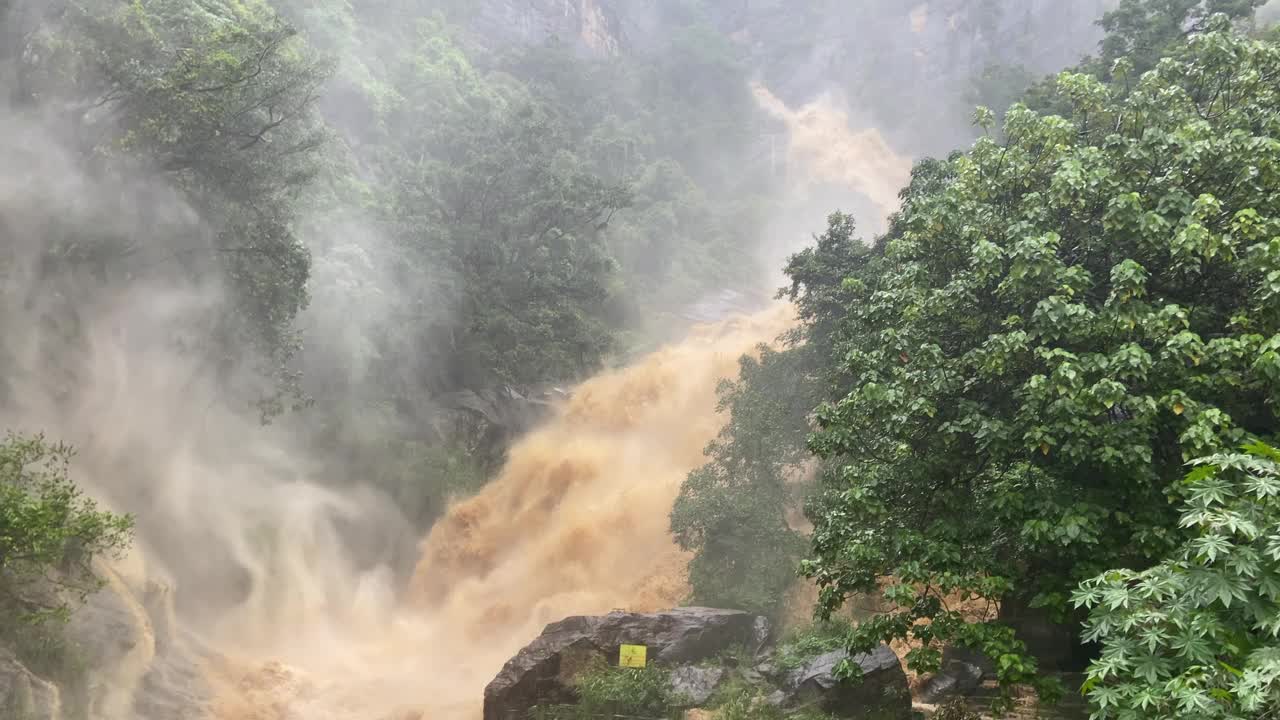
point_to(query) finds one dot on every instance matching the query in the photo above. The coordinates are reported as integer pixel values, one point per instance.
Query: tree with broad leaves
(1056, 322)
(1198, 635)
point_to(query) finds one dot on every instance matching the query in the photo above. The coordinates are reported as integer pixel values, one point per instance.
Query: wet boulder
(543, 672)
(693, 685)
(961, 673)
(23, 695)
(881, 694)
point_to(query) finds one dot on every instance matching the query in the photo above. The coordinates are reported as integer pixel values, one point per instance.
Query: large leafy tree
(1144, 30)
(676, 122)
(501, 222)
(732, 512)
(1056, 323)
(1140, 31)
(214, 98)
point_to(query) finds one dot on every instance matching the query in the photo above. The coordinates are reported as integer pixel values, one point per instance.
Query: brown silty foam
(575, 523)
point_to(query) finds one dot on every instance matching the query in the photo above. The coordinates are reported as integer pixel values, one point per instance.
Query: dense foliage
(1054, 325)
(1196, 635)
(429, 212)
(494, 203)
(1139, 31)
(730, 511)
(50, 535)
(177, 107)
(531, 202)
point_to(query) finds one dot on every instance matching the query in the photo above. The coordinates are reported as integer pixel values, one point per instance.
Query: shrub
(607, 691)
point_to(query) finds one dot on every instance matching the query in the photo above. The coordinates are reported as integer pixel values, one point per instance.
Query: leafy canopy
(605, 691)
(1198, 635)
(499, 222)
(731, 511)
(216, 101)
(1055, 323)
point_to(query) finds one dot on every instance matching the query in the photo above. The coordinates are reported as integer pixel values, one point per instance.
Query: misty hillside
(349, 343)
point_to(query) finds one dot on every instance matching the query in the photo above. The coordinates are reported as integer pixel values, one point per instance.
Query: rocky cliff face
(911, 69)
(908, 68)
(138, 665)
(25, 696)
(593, 26)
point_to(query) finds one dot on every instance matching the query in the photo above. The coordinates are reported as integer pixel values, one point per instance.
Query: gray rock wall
(906, 67)
(591, 25)
(25, 696)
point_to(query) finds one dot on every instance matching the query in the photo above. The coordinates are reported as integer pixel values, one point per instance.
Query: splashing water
(825, 148)
(258, 555)
(576, 523)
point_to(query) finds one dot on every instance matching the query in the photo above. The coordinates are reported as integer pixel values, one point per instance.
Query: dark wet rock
(961, 673)
(694, 685)
(542, 673)
(140, 665)
(881, 694)
(23, 695)
(492, 419)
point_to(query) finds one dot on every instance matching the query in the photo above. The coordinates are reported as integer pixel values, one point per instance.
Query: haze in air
(348, 344)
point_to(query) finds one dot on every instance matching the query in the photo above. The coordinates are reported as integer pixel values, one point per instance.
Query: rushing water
(575, 523)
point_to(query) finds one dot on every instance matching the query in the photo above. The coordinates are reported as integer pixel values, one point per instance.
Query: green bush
(750, 704)
(747, 704)
(50, 534)
(607, 691)
(820, 638)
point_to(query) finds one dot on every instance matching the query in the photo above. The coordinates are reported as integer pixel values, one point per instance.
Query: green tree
(502, 222)
(1198, 635)
(1143, 31)
(50, 533)
(1140, 32)
(678, 125)
(731, 512)
(218, 99)
(1054, 324)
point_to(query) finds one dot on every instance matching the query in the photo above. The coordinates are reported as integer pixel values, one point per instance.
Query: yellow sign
(632, 656)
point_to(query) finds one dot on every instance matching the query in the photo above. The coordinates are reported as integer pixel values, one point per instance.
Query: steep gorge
(279, 613)
(575, 523)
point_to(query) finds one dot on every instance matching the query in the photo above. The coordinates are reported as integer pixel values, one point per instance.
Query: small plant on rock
(817, 639)
(607, 691)
(747, 704)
